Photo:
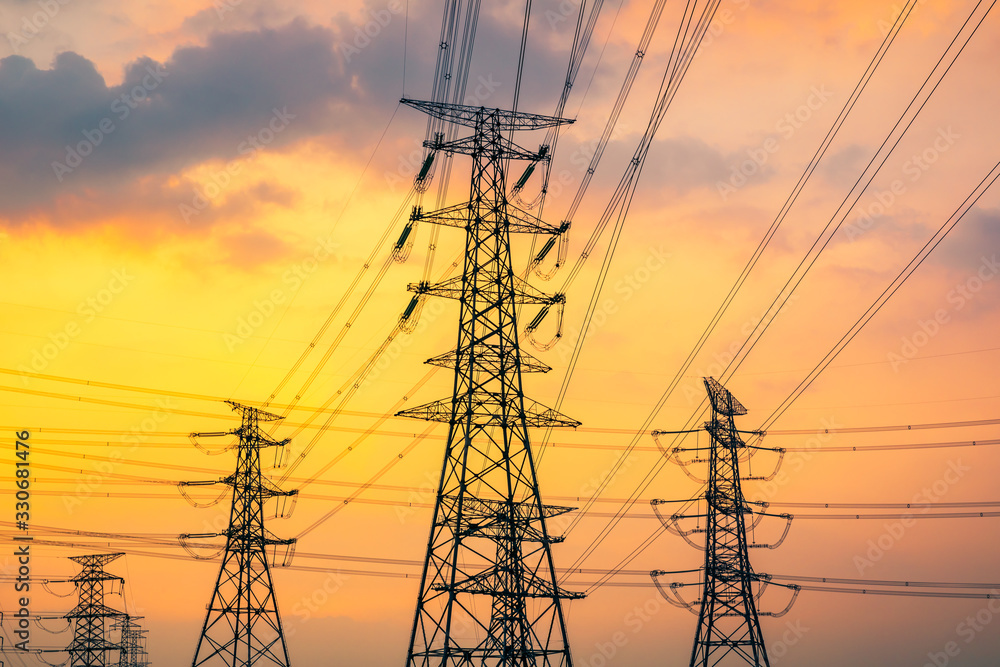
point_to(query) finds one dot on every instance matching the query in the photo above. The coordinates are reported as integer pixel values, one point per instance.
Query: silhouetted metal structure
(90, 646)
(133, 643)
(728, 623)
(488, 537)
(242, 626)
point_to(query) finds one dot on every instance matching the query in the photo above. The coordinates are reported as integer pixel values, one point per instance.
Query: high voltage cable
(567, 445)
(804, 178)
(441, 90)
(823, 240)
(862, 84)
(626, 88)
(648, 478)
(133, 480)
(600, 571)
(681, 56)
(889, 291)
(325, 409)
(344, 501)
(441, 87)
(467, 54)
(891, 588)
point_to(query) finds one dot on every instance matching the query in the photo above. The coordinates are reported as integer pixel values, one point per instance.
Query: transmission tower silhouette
(242, 626)
(728, 617)
(488, 536)
(90, 646)
(728, 623)
(133, 642)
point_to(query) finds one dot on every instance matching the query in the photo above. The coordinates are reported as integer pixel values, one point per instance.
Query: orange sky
(109, 280)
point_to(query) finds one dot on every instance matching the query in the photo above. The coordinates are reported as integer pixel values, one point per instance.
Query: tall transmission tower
(133, 643)
(728, 622)
(488, 538)
(90, 646)
(728, 617)
(242, 626)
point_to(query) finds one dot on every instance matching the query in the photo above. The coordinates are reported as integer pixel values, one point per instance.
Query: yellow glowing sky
(105, 282)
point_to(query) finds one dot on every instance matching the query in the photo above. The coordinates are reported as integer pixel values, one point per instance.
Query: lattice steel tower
(133, 643)
(242, 626)
(488, 537)
(728, 623)
(90, 646)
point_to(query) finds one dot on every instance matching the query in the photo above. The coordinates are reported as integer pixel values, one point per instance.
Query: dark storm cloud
(74, 146)
(64, 131)
(974, 240)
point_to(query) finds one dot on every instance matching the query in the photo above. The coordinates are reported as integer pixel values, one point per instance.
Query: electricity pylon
(133, 643)
(90, 645)
(242, 626)
(488, 536)
(728, 623)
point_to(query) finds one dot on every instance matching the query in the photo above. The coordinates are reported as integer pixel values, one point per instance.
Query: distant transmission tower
(90, 646)
(488, 536)
(728, 623)
(133, 643)
(242, 626)
(728, 619)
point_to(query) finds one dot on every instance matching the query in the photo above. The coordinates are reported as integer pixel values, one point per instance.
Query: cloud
(82, 153)
(66, 135)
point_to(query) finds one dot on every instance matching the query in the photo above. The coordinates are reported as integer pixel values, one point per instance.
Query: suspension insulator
(538, 318)
(406, 233)
(524, 177)
(543, 151)
(545, 250)
(409, 308)
(426, 167)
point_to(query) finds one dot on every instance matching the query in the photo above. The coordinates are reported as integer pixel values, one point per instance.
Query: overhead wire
(652, 473)
(681, 56)
(831, 134)
(869, 173)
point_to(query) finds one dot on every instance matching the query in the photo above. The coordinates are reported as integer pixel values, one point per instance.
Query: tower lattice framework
(90, 646)
(242, 627)
(133, 643)
(728, 622)
(488, 593)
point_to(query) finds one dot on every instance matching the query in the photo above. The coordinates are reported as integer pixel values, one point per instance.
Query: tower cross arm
(471, 116)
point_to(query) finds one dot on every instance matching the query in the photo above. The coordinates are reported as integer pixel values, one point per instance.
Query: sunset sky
(188, 189)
